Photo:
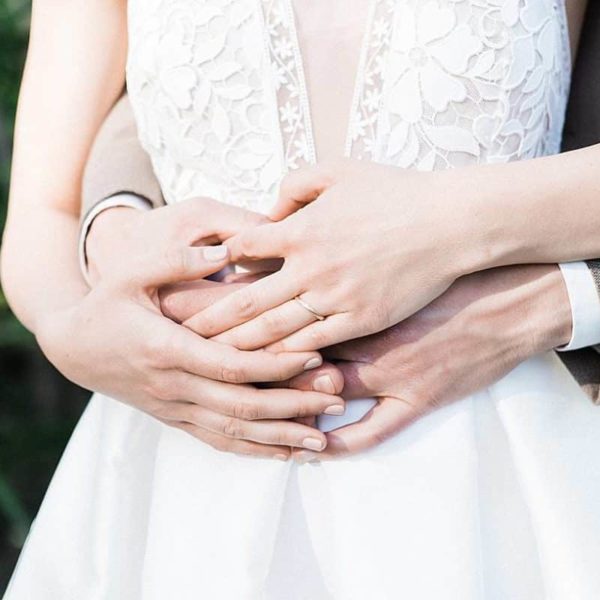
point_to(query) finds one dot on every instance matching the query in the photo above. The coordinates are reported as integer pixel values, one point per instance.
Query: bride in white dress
(494, 497)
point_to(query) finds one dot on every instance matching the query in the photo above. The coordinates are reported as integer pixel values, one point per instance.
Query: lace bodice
(219, 90)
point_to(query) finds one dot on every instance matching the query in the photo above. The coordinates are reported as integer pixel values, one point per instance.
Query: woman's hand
(120, 344)
(479, 330)
(376, 245)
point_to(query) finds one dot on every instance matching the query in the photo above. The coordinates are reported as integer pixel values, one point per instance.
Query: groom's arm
(582, 129)
(118, 163)
(118, 172)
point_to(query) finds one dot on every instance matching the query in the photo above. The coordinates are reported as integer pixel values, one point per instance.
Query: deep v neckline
(293, 102)
(303, 84)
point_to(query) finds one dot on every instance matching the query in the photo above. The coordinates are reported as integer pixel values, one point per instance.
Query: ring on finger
(304, 304)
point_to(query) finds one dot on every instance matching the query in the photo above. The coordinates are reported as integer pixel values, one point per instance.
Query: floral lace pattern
(474, 81)
(220, 97)
(200, 87)
(289, 83)
(362, 129)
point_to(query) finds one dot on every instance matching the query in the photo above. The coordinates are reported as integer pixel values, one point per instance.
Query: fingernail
(324, 384)
(313, 444)
(215, 253)
(336, 409)
(306, 457)
(313, 363)
(282, 457)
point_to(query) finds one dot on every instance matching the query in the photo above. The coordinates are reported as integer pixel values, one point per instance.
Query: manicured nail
(282, 457)
(313, 443)
(306, 457)
(313, 363)
(335, 409)
(215, 253)
(324, 384)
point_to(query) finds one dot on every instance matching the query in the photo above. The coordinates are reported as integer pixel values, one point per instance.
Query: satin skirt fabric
(495, 497)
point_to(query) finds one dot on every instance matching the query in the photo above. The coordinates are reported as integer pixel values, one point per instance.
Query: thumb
(299, 188)
(327, 379)
(264, 241)
(181, 263)
(205, 219)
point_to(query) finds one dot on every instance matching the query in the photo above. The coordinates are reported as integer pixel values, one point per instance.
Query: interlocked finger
(243, 305)
(271, 326)
(272, 432)
(250, 403)
(383, 421)
(224, 444)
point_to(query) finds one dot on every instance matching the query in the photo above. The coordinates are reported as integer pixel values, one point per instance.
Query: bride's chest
(418, 83)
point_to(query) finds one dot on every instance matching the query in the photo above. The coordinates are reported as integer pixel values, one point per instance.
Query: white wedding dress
(496, 497)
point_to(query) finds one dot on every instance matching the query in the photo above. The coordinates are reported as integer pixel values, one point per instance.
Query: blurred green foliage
(14, 25)
(38, 408)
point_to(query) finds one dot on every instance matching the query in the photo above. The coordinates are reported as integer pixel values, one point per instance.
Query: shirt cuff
(585, 305)
(123, 199)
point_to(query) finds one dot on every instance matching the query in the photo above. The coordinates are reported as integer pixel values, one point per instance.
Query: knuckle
(245, 304)
(246, 411)
(275, 322)
(304, 410)
(247, 246)
(233, 428)
(230, 373)
(283, 437)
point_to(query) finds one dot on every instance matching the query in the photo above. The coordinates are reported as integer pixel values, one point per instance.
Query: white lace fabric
(219, 89)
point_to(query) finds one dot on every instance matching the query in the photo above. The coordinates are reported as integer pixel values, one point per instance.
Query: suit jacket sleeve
(118, 163)
(582, 127)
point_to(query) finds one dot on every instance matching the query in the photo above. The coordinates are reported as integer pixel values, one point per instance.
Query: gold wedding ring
(309, 308)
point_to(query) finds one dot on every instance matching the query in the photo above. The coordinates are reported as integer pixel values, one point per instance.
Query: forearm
(73, 75)
(544, 210)
(40, 272)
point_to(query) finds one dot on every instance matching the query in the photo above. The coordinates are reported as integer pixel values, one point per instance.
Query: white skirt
(495, 497)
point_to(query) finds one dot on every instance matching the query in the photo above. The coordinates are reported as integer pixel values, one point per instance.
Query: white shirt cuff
(585, 305)
(124, 199)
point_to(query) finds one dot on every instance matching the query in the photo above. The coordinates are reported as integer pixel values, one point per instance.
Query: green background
(38, 408)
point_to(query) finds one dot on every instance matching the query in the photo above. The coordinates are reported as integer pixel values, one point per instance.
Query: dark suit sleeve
(582, 129)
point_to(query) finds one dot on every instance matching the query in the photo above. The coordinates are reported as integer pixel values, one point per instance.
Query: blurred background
(38, 408)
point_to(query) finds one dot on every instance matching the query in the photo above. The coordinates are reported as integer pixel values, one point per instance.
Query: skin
(129, 350)
(470, 337)
(43, 215)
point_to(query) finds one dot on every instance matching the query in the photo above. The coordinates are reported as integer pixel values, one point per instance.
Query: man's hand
(479, 330)
(120, 343)
(119, 233)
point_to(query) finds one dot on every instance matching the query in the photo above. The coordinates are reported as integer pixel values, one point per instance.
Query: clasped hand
(363, 281)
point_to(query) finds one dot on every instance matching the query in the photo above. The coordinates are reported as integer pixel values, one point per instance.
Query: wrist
(519, 212)
(548, 313)
(108, 226)
(475, 242)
